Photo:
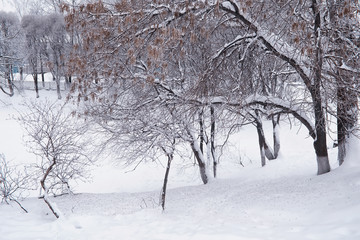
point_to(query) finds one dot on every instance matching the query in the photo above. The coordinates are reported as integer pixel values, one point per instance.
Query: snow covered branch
(264, 37)
(285, 106)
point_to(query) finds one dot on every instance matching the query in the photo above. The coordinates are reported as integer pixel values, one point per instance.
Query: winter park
(172, 119)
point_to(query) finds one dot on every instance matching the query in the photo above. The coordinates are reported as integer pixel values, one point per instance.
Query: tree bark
(198, 155)
(275, 122)
(163, 192)
(346, 119)
(212, 140)
(42, 183)
(21, 73)
(67, 82)
(261, 138)
(201, 124)
(35, 76)
(347, 99)
(58, 90)
(200, 160)
(265, 150)
(261, 143)
(42, 72)
(8, 70)
(313, 85)
(320, 125)
(21, 83)
(320, 145)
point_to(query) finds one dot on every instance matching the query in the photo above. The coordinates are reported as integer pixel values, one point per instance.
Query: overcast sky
(6, 5)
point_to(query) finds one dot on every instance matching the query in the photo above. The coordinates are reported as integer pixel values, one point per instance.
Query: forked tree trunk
(163, 191)
(265, 149)
(42, 183)
(200, 160)
(198, 155)
(313, 85)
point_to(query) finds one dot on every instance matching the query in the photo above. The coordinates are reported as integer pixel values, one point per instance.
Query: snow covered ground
(284, 200)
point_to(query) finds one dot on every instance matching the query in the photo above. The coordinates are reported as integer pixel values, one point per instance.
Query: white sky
(7, 6)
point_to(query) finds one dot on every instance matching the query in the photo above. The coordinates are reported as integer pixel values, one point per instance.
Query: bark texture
(43, 186)
(163, 192)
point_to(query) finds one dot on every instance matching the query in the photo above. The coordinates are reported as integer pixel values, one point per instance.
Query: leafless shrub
(14, 182)
(59, 140)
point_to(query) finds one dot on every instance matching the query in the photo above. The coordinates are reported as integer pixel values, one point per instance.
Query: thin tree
(53, 134)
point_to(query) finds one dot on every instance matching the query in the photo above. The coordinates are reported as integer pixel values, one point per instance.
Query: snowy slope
(284, 200)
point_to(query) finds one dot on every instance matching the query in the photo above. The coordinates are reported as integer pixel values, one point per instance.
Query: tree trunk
(265, 150)
(8, 77)
(21, 78)
(347, 115)
(261, 141)
(35, 76)
(163, 192)
(11, 81)
(21, 73)
(212, 140)
(42, 72)
(67, 82)
(313, 85)
(58, 87)
(198, 155)
(200, 160)
(347, 99)
(320, 145)
(42, 183)
(201, 124)
(276, 136)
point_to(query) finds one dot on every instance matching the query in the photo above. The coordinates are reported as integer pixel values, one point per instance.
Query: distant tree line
(37, 41)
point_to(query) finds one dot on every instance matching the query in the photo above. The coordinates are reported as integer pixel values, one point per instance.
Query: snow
(228, 5)
(283, 200)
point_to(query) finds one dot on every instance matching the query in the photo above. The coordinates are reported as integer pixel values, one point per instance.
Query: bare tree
(304, 52)
(191, 56)
(59, 140)
(33, 32)
(342, 58)
(14, 182)
(10, 48)
(139, 69)
(55, 37)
